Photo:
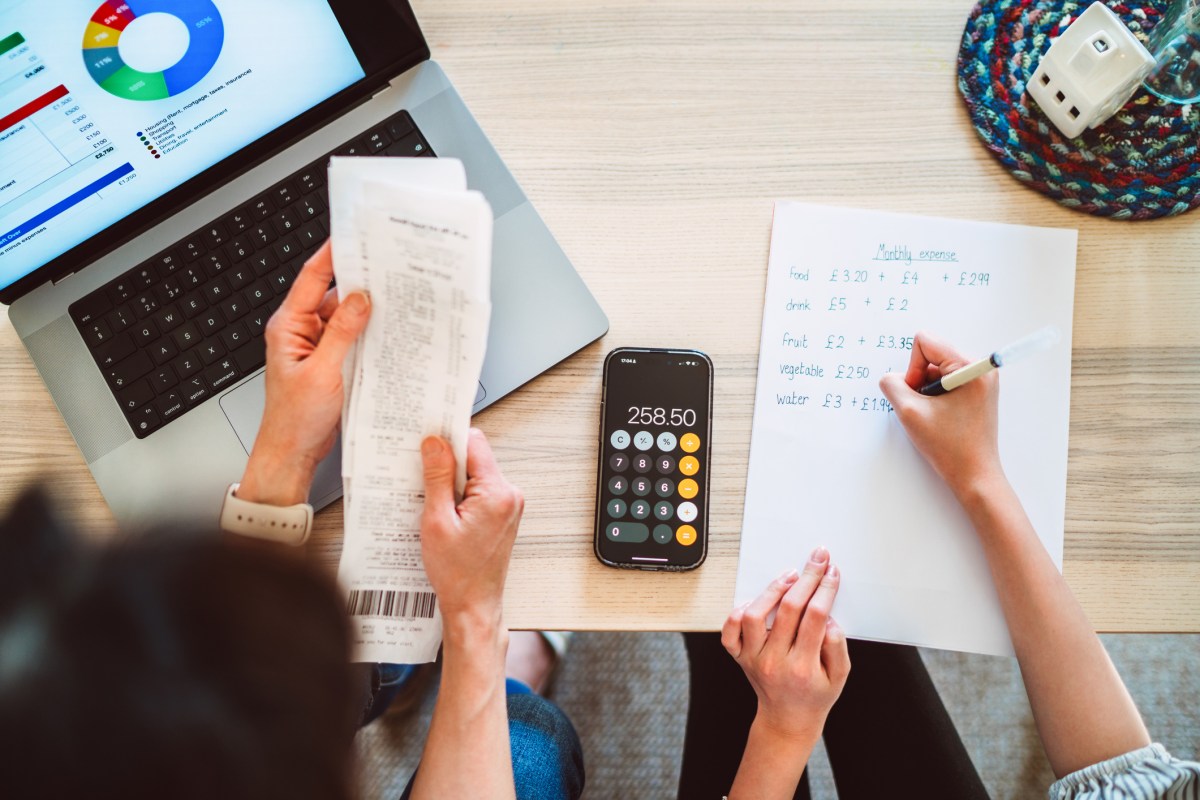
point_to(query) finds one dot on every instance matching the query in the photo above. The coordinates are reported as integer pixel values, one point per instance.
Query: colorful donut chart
(102, 56)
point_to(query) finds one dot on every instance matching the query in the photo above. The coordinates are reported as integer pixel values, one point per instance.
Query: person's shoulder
(1149, 772)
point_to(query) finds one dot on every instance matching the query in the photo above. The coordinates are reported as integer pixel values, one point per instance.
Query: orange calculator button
(690, 442)
(689, 465)
(686, 535)
(688, 488)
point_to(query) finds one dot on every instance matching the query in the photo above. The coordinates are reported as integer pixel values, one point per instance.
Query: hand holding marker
(1033, 343)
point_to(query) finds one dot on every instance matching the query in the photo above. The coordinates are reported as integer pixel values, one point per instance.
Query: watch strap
(284, 524)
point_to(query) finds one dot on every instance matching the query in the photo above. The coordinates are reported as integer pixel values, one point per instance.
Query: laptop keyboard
(177, 330)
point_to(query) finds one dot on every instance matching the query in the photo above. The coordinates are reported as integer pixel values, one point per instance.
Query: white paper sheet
(409, 233)
(829, 462)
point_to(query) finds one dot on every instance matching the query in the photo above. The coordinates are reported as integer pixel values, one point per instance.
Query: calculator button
(665, 487)
(690, 443)
(619, 439)
(663, 511)
(639, 509)
(689, 465)
(641, 486)
(688, 488)
(665, 465)
(666, 441)
(632, 532)
(642, 462)
(617, 485)
(663, 534)
(643, 440)
(616, 508)
(687, 512)
(619, 462)
(686, 535)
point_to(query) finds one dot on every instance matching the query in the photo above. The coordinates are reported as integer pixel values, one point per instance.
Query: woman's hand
(955, 432)
(799, 665)
(307, 341)
(467, 546)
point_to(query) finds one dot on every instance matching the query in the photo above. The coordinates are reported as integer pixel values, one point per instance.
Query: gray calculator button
(639, 509)
(643, 440)
(641, 486)
(666, 441)
(665, 487)
(687, 511)
(633, 532)
(618, 462)
(665, 465)
(662, 510)
(617, 484)
(663, 534)
(642, 462)
(616, 508)
(619, 439)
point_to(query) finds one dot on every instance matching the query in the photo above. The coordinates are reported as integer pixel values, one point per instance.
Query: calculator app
(653, 480)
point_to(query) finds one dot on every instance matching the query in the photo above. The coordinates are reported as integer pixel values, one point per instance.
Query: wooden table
(653, 138)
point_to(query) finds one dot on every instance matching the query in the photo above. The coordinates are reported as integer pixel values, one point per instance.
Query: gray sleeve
(1146, 774)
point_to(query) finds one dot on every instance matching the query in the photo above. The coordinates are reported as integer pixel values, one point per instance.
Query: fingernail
(431, 447)
(820, 555)
(789, 577)
(357, 304)
(834, 572)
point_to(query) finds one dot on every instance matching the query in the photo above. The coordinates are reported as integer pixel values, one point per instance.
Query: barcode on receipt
(402, 605)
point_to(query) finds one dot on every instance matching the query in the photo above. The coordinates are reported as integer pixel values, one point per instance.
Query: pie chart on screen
(152, 49)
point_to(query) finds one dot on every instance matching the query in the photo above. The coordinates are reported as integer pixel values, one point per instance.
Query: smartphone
(655, 459)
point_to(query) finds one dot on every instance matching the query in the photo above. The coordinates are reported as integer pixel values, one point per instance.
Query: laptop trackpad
(243, 408)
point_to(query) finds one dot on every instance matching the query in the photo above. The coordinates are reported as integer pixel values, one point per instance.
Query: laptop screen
(106, 106)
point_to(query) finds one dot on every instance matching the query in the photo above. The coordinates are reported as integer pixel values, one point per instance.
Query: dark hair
(168, 665)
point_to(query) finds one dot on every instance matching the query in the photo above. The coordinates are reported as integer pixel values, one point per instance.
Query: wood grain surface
(653, 138)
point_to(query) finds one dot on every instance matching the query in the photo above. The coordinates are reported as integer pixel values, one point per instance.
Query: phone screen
(652, 487)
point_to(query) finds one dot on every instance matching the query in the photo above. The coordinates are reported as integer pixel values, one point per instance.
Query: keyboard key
(262, 208)
(97, 333)
(92, 307)
(129, 370)
(120, 318)
(168, 318)
(355, 148)
(145, 332)
(235, 336)
(195, 391)
(240, 277)
(241, 248)
(238, 221)
(285, 222)
(410, 146)
(310, 207)
(210, 321)
(187, 336)
(163, 351)
(216, 263)
(168, 291)
(312, 235)
(163, 379)
(194, 304)
(121, 291)
(312, 179)
(264, 262)
(235, 307)
(170, 405)
(377, 140)
(259, 293)
(187, 365)
(263, 234)
(215, 236)
(280, 281)
(144, 276)
(217, 291)
(116, 348)
(135, 396)
(258, 322)
(285, 194)
(145, 305)
(211, 351)
(400, 126)
(192, 247)
(145, 421)
(167, 263)
(252, 356)
(222, 375)
(192, 278)
(288, 248)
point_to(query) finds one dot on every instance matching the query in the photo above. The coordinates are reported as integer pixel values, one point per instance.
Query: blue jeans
(547, 757)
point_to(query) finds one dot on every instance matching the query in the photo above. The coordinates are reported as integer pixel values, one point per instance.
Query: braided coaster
(1142, 163)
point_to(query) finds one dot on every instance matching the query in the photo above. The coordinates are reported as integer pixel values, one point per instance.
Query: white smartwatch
(284, 524)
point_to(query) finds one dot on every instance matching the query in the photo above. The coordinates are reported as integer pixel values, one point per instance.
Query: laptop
(162, 180)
